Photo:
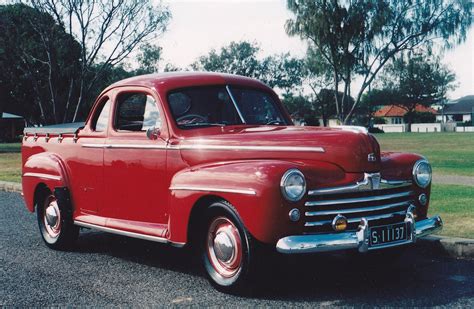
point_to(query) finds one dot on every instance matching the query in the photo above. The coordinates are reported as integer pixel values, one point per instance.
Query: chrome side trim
(356, 210)
(257, 148)
(126, 233)
(41, 175)
(135, 146)
(235, 103)
(226, 190)
(359, 199)
(124, 146)
(369, 183)
(205, 147)
(93, 145)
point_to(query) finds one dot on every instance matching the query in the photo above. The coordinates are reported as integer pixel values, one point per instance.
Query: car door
(135, 181)
(86, 161)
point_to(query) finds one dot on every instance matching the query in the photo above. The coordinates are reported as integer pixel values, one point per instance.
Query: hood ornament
(373, 180)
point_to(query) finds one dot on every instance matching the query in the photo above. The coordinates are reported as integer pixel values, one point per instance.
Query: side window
(103, 119)
(136, 112)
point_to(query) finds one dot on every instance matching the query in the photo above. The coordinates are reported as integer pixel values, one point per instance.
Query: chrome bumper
(355, 240)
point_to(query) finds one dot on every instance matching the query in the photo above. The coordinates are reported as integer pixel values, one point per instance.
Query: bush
(417, 117)
(465, 124)
(376, 130)
(379, 120)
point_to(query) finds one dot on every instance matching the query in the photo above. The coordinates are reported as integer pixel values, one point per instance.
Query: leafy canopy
(357, 38)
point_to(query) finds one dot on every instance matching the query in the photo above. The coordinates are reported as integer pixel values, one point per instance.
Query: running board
(128, 234)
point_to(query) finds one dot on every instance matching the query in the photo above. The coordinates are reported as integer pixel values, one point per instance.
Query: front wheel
(228, 250)
(56, 229)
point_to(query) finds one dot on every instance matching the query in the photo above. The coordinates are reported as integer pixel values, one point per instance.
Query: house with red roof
(393, 114)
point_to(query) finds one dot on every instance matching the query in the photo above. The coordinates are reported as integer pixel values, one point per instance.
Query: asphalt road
(113, 270)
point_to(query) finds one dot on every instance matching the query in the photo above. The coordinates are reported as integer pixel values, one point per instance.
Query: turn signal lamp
(339, 223)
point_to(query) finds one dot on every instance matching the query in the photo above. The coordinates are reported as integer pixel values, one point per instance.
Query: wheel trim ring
(232, 266)
(53, 231)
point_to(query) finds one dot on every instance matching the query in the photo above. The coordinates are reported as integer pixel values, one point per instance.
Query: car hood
(348, 148)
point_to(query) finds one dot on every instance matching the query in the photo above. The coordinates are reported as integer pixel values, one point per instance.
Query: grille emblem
(371, 157)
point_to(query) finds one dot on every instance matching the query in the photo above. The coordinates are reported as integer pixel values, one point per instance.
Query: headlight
(422, 173)
(293, 185)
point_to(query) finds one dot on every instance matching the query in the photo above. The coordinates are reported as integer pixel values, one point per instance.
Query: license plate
(381, 235)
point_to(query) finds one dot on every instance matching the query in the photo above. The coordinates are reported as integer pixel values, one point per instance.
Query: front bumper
(355, 240)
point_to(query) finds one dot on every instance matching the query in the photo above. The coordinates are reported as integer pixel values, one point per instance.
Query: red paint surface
(128, 189)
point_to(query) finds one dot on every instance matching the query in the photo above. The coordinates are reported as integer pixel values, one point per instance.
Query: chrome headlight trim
(283, 185)
(416, 167)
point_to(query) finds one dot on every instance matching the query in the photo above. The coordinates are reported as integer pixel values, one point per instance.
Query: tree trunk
(79, 100)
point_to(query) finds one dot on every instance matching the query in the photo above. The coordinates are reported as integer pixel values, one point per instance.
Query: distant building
(460, 110)
(11, 126)
(393, 114)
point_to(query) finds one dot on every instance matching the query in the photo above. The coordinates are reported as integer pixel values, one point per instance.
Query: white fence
(391, 128)
(464, 129)
(423, 128)
(426, 127)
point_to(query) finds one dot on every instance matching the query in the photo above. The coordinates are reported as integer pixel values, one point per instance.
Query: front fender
(399, 166)
(42, 168)
(252, 187)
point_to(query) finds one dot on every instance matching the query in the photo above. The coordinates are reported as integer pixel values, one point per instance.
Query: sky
(197, 26)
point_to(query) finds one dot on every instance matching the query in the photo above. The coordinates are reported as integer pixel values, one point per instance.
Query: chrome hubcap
(224, 247)
(52, 217)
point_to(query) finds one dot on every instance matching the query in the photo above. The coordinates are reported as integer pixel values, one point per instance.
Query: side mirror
(153, 133)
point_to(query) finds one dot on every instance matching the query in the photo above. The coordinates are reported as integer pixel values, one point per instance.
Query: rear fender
(43, 169)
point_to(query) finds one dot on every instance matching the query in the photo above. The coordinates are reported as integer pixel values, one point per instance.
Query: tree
(149, 59)
(236, 58)
(242, 58)
(414, 79)
(417, 79)
(357, 38)
(107, 31)
(370, 102)
(300, 106)
(37, 60)
(284, 72)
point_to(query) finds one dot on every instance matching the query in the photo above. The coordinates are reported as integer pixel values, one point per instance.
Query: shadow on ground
(420, 277)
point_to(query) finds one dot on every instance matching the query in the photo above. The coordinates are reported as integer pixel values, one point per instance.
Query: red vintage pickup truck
(214, 160)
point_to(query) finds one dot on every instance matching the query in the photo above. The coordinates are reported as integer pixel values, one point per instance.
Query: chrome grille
(379, 207)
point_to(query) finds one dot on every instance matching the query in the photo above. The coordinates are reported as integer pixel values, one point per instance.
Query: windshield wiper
(203, 124)
(275, 122)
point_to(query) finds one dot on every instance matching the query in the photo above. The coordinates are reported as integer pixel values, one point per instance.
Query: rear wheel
(227, 249)
(56, 229)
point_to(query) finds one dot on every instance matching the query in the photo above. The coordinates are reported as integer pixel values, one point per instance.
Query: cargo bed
(64, 128)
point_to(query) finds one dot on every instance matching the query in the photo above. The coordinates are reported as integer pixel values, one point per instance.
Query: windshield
(220, 106)
(257, 107)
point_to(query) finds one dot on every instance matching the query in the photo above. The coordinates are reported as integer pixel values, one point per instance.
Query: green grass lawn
(448, 153)
(455, 205)
(10, 162)
(11, 147)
